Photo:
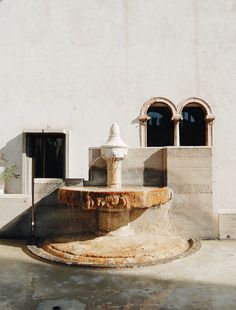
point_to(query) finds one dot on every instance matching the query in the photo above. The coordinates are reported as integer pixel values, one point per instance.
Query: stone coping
(15, 196)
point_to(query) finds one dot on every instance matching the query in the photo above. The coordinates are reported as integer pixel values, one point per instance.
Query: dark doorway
(193, 127)
(48, 153)
(160, 127)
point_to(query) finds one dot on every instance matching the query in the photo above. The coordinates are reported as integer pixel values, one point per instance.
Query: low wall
(189, 174)
(187, 170)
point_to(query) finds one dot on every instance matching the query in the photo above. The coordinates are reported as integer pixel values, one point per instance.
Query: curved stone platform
(112, 252)
(132, 226)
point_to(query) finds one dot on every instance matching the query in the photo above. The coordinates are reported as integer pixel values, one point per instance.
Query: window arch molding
(209, 118)
(143, 118)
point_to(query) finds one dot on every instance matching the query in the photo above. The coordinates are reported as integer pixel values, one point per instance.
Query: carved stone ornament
(143, 119)
(210, 119)
(118, 200)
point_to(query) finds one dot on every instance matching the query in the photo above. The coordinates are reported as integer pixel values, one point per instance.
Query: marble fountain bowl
(132, 227)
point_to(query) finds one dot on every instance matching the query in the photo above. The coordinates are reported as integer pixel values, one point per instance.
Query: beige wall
(80, 65)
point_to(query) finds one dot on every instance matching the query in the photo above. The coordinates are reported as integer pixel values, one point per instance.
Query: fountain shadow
(154, 169)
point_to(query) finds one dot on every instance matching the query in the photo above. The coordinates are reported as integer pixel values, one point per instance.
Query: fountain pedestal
(114, 151)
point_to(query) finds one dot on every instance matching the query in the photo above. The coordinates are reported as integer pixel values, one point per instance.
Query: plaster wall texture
(80, 65)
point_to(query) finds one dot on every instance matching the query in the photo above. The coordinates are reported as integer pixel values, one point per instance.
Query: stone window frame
(176, 117)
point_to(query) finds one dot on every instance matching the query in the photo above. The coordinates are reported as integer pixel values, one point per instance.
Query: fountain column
(114, 151)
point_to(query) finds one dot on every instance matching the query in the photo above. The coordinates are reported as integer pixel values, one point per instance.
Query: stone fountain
(130, 226)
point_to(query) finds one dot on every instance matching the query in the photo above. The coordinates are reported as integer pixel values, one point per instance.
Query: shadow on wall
(48, 219)
(12, 152)
(55, 219)
(154, 171)
(19, 227)
(51, 219)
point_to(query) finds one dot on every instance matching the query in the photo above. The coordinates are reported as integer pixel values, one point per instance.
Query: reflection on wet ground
(31, 284)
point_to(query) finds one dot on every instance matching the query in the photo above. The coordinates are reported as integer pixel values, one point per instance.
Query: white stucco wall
(82, 64)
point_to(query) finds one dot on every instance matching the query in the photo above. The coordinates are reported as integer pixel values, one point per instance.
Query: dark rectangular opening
(160, 130)
(48, 153)
(193, 127)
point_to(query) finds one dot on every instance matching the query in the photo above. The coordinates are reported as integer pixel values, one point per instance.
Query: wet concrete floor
(204, 280)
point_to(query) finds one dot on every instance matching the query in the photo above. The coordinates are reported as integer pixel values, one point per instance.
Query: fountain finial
(114, 139)
(114, 130)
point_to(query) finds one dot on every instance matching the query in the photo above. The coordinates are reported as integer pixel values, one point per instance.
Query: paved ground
(204, 280)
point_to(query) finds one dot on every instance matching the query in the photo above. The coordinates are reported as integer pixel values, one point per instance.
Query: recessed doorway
(47, 151)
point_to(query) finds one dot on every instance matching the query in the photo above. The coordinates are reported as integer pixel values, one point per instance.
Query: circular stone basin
(114, 199)
(133, 227)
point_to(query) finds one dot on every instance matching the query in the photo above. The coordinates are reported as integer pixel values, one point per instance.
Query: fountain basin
(113, 208)
(132, 226)
(113, 199)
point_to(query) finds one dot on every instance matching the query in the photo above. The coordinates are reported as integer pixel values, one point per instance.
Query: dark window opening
(193, 127)
(48, 153)
(160, 127)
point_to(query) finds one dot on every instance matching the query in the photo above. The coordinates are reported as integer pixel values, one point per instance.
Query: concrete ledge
(14, 196)
(14, 220)
(47, 181)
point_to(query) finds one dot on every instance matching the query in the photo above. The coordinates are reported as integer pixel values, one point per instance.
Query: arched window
(159, 126)
(196, 125)
(163, 124)
(193, 126)
(158, 123)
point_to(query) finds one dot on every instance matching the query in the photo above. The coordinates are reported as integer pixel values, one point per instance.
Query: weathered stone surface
(111, 221)
(182, 188)
(116, 251)
(113, 199)
(189, 175)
